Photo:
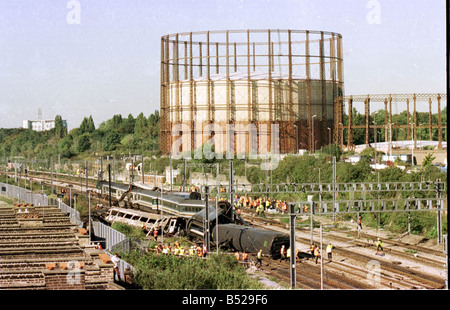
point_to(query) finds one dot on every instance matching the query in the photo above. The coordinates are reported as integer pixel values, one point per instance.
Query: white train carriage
(146, 221)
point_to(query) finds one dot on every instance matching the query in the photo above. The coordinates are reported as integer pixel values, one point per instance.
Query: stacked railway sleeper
(41, 250)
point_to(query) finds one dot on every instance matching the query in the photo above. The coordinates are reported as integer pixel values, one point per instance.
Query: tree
(428, 160)
(369, 152)
(140, 125)
(84, 143)
(332, 150)
(65, 147)
(111, 140)
(60, 129)
(153, 119)
(87, 125)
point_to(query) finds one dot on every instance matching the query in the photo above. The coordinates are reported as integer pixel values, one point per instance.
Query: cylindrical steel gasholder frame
(250, 79)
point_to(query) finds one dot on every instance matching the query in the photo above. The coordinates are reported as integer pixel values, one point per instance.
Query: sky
(77, 58)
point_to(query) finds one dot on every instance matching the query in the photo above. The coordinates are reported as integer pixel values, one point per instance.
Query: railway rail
(349, 267)
(352, 268)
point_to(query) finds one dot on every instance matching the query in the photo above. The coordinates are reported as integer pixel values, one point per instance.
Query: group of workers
(259, 204)
(314, 250)
(179, 250)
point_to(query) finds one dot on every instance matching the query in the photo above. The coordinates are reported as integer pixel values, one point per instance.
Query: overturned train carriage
(251, 240)
(196, 224)
(236, 234)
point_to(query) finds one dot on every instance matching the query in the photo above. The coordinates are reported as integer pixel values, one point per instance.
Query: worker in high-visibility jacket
(245, 257)
(329, 251)
(317, 253)
(311, 249)
(259, 256)
(379, 245)
(282, 253)
(288, 253)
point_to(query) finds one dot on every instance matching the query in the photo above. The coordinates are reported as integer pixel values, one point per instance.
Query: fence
(114, 240)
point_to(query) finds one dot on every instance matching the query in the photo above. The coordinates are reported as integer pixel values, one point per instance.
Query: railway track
(407, 246)
(389, 248)
(356, 265)
(350, 268)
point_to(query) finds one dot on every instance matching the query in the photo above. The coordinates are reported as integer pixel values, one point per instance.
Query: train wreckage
(161, 211)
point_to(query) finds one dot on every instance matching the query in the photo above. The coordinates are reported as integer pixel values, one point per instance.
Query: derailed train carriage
(228, 229)
(149, 200)
(251, 239)
(236, 234)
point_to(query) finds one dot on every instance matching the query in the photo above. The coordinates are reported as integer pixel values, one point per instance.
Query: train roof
(135, 212)
(116, 185)
(177, 198)
(201, 215)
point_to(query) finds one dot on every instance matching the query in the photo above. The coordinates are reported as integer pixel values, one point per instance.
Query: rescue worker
(288, 254)
(360, 223)
(283, 253)
(115, 260)
(245, 257)
(182, 251)
(236, 255)
(317, 253)
(259, 256)
(204, 250)
(311, 249)
(297, 256)
(155, 234)
(379, 245)
(329, 251)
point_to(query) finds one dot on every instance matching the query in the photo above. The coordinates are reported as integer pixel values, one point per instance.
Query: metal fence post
(292, 244)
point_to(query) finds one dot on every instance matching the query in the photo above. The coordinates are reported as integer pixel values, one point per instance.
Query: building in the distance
(41, 125)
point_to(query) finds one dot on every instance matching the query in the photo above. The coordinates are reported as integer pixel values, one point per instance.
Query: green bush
(162, 272)
(128, 230)
(422, 223)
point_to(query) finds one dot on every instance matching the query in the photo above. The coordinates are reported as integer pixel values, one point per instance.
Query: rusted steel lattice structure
(386, 102)
(233, 86)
